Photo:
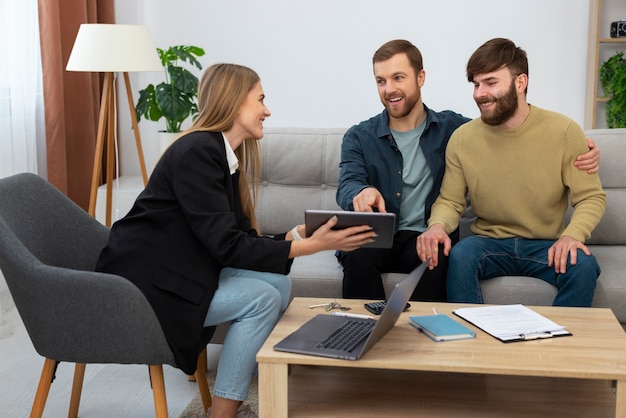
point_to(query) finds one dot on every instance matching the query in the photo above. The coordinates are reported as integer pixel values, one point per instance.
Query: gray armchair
(48, 251)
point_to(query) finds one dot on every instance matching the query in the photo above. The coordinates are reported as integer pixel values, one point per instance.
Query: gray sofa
(300, 171)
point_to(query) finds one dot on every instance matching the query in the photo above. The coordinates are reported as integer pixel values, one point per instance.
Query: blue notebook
(441, 327)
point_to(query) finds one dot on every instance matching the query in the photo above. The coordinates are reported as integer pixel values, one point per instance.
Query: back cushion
(300, 171)
(612, 143)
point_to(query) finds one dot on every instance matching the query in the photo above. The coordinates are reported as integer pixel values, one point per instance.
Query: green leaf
(175, 105)
(613, 83)
(175, 98)
(183, 80)
(147, 105)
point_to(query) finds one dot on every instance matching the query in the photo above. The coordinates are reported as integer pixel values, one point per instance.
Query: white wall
(314, 56)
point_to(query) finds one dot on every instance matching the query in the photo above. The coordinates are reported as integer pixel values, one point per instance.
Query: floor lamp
(112, 48)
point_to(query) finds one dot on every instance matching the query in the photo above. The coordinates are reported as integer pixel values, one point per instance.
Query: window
(22, 130)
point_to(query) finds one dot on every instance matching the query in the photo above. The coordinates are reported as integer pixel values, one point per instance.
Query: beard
(504, 109)
(409, 103)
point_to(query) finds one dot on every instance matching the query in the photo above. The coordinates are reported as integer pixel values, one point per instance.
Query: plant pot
(166, 139)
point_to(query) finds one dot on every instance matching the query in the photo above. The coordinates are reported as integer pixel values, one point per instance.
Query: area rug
(250, 406)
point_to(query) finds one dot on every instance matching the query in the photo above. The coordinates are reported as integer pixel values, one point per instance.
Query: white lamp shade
(113, 48)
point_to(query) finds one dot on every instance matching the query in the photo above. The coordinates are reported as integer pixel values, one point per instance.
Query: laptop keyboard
(347, 336)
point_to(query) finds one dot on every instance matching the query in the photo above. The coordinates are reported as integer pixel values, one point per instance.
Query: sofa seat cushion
(506, 290)
(501, 290)
(318, 275)
(321, 275)
(610, 288)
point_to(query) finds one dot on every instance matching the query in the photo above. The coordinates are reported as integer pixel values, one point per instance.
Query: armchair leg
(77, 389)
(203, 385)
(158, 390)
(47, 374)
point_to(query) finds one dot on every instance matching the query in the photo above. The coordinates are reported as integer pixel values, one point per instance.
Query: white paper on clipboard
(510, 323)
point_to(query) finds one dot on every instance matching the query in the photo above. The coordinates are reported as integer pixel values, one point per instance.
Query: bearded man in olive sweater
(516, 163)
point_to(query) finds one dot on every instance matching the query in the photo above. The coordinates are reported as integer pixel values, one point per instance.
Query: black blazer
(183, 228)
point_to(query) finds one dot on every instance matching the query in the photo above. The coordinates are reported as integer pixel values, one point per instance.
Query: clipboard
(512, 323)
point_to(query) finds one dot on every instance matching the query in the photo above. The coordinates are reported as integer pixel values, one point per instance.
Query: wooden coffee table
(407, 374)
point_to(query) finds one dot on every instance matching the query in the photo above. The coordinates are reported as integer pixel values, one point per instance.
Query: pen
(536, 336)
(352, 315)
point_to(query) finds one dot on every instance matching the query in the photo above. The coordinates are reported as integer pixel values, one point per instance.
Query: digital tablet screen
(383, 223)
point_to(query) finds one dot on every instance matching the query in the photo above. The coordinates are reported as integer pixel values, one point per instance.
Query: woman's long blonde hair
(222, 90)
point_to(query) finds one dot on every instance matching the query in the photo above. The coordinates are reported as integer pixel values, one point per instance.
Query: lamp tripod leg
(107, 93)
(133, 119)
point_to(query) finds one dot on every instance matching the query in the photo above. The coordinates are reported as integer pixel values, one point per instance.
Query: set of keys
(330, 306)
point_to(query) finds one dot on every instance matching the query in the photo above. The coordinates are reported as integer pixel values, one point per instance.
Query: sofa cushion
(611, 285)
(300, 171)
(317, 275)
(612, 228)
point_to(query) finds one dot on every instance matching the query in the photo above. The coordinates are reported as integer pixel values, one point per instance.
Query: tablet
(383, 223)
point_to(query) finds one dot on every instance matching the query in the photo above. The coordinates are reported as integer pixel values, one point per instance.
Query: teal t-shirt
(417, 180)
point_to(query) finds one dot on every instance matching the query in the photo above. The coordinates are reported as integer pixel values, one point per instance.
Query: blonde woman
(191, 243)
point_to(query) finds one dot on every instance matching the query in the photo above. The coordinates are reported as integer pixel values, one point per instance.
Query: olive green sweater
(519, 180)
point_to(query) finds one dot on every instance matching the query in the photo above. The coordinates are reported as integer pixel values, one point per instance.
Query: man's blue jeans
(477, 258)
(253, 301)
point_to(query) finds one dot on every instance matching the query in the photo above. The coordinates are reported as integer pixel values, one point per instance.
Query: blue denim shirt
(370, 158)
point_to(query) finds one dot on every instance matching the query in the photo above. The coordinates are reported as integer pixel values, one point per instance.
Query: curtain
(21, 99)
(21, 107)
(72, 99)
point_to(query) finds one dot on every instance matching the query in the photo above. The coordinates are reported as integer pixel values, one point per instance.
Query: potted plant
(613, 82)
(175, 98)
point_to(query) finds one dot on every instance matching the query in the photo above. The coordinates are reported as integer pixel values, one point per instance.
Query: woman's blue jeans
(478, 258)
(253, 302)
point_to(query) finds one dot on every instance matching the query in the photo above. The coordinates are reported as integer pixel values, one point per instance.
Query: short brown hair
(495, 54)
(400, 46)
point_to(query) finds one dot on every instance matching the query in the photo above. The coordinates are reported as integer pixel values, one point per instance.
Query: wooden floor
(108, 390)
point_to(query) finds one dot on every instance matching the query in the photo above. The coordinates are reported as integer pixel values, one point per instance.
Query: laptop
(311, 337)
(382, 223)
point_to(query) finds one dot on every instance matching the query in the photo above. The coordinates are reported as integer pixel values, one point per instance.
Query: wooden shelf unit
(598, 52)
